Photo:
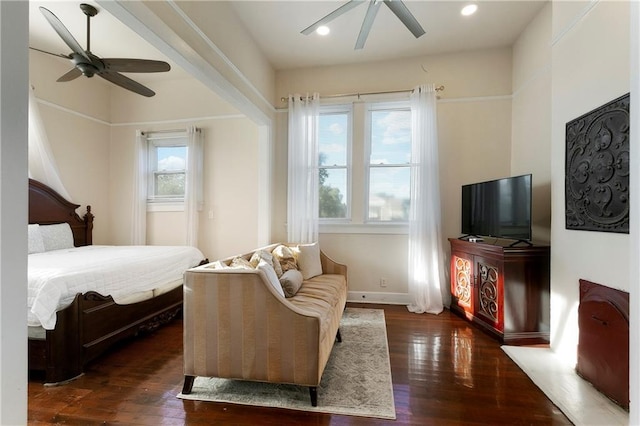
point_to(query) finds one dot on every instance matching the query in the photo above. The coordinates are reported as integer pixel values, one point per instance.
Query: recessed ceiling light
(323, 30)
(469, 9)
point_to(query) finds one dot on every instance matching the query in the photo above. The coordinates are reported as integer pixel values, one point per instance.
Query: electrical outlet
(383, 282)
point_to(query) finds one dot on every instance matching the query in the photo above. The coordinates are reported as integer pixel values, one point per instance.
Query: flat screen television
(498, 208)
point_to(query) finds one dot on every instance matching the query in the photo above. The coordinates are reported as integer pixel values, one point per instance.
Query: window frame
(163, 140)
(346, 109)
(402, 105)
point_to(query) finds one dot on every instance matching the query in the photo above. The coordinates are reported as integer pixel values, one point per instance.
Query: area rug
(356, 380)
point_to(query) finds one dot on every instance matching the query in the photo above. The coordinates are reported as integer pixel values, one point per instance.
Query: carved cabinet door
(462, 285)
(489, 288)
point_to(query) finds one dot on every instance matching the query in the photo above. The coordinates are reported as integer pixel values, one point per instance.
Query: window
(167, 166)
(334, 141)
(389, 172)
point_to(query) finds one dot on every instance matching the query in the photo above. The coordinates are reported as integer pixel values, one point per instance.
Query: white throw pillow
(271, 276)
(36, 244)
(309, 260)
(57, 237)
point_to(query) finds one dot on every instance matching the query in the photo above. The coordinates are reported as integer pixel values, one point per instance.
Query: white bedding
(55, 277)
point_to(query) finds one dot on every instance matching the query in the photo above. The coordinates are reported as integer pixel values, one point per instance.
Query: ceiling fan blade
(127, 83)
(333, 15)
(135, 65)
(64, 33)
(403, 13)
(372, 10)
(71, 75)
(60, 55)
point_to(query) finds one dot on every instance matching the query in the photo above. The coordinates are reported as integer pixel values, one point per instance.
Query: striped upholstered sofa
(239, 325)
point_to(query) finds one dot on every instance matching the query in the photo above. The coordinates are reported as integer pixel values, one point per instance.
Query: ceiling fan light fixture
(323, 30)
(469, 9)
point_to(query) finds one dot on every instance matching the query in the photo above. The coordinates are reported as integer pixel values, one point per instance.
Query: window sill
(364, 228)
(173, 206)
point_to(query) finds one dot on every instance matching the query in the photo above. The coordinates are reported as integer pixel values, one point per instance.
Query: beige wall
(75, 116)
(531, 118)
(229, 220)
(590, 67)
(474, 126)
(91, 126)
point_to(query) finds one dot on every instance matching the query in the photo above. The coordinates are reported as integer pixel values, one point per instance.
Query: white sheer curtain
(139, 213)
(426, 257)
(193, 184)
(42, 163)
(302, 190)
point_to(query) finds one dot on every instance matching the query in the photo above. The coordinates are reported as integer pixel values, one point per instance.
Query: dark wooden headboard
(46, 206)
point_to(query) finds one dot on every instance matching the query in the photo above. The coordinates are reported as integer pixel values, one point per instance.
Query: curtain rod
(358, 94)
(168, 131)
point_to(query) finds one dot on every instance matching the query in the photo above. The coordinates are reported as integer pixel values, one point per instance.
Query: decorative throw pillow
(271, 276)
(267, 257)
(36, 244)
(309, 260)
(285, 257)
(239, 262)
(56, 237)
(291, 281)
(218, 264)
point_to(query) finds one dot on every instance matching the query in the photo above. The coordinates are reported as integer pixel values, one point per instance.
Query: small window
(389, 144)
(167, 167)
(334, 142)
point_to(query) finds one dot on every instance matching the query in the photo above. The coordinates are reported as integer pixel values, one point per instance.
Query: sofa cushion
(320, 296)
(309, 260)
(291, 282)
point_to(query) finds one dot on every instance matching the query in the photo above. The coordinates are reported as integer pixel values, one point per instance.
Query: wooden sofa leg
(339, 336)
(188, 384)
(313, 393)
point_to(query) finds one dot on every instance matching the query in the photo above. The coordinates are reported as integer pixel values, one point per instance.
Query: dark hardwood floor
(445, 372)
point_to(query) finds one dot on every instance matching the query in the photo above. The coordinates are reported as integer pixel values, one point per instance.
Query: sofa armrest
(236, 326)
(330, 266)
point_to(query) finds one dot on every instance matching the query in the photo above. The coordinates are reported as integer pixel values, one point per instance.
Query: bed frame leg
(188, 384)
(339, 336)
(313, 393)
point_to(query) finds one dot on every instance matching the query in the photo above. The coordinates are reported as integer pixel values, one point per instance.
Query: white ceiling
(275, 26)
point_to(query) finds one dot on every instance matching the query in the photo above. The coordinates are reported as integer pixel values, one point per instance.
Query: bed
(76, 312)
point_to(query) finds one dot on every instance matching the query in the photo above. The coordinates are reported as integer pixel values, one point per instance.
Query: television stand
(471, 238)
(527, 242)
(505, 290)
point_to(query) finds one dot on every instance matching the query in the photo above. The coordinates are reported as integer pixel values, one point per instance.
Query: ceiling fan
(87, 64)
(396, 6)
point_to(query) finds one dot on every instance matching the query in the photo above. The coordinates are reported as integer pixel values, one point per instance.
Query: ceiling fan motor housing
(88, 69)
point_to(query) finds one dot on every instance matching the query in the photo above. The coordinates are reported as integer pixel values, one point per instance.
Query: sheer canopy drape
(42, 163)
(302, 192)
(426, 257)
(193, 184)
(139, 212)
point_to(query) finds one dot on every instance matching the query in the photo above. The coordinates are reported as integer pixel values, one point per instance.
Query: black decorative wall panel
(597, 169)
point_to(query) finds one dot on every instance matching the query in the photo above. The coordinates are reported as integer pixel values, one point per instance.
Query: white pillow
(309, 260)
(57, 237)
(36, 245)
(271, 276)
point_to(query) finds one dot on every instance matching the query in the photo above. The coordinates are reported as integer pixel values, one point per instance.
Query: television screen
(498, 208)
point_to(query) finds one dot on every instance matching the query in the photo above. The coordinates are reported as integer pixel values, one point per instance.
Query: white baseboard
(378, 297)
